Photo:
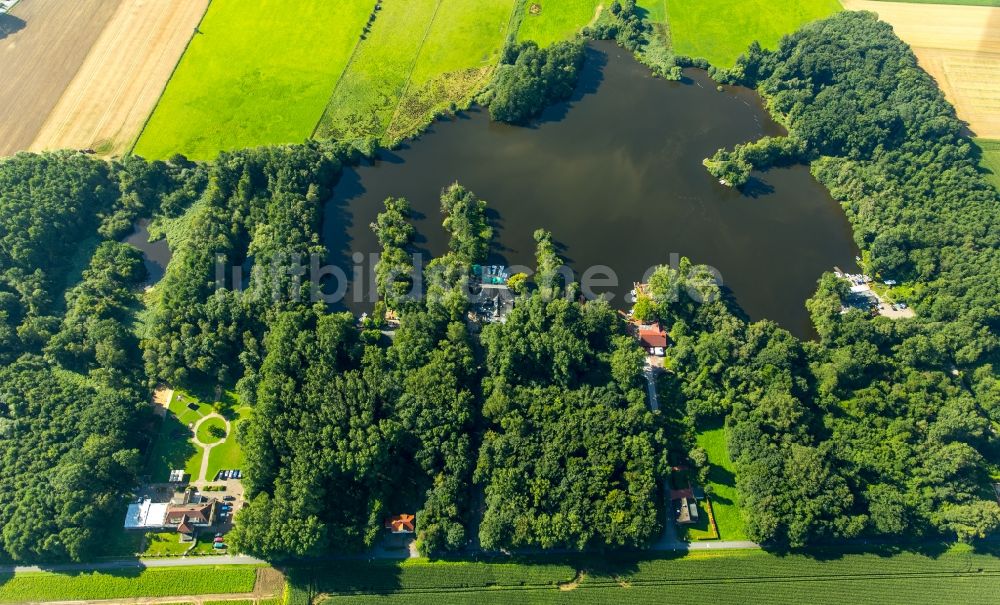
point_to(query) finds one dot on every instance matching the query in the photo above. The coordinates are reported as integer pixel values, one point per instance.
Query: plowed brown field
(38, 61)
(119, 83)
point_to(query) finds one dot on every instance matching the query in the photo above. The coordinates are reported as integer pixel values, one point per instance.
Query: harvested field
(107, 103)
(960, 47)
(47, 44)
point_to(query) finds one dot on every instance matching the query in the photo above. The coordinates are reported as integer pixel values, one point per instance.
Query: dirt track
(119, 83)
(39, 60)
(960, 47)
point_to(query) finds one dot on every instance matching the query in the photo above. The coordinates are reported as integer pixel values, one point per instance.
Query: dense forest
(72, 397)
(535, 432)
(900, 416)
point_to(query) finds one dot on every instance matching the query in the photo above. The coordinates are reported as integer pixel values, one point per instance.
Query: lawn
(719, 30)
(722, 479)
(558, 20)
(229, 455)
(419, 58)
(259, 72)
(991, 159)
(175, 449)
(164, 544)
(127, 583)
(212, 431)
(717, 576)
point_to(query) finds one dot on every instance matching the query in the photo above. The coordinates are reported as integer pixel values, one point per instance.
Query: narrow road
(650, 373)
(136, 564)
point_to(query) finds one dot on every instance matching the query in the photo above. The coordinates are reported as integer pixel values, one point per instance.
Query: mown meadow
(419, 58)
(256, 72)
(720, 31)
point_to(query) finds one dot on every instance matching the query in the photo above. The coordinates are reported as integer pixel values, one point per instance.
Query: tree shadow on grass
(172, 449)
(9, 24)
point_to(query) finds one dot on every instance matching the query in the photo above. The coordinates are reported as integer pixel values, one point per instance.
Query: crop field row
(714, 576)
(150, 582)
(419, 58)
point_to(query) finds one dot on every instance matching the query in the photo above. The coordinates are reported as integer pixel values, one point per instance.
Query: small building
(146, 514)
(401, 524)
(686, 511)
(653, 339)
(189, 518)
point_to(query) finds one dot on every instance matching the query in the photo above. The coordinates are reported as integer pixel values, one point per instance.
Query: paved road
(136, 564)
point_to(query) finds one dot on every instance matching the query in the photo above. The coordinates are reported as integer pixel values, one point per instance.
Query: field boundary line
(340, 78)
(413, 66)
(145, 123)
(517, 12)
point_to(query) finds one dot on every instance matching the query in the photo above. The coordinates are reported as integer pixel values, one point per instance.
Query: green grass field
(704, 577)
(420, 56)
(719, 30)
(558, 20)
(722, 478)
(228, 455)
(259, 72)
(991, 159)
(164, 544)
(174, 447)
(150, 582)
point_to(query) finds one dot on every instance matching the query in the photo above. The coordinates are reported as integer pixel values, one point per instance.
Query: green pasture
(714, 576)
(557, 20)
(720, 31)
(419, 58)
(257, 72)
(990, 160)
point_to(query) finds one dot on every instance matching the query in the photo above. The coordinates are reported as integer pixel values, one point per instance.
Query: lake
(616, 175)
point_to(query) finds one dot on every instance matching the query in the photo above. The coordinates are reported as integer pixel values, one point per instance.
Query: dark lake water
(156, 255)
(616, 175)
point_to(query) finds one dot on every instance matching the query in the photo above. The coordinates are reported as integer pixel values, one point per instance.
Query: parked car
(218, 534)
(219, 545)
(229, 499)
(219, 539)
